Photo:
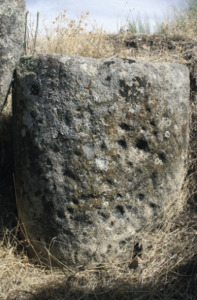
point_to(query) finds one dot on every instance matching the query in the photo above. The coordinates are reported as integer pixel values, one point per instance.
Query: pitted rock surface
(12, 26)
(100, 147)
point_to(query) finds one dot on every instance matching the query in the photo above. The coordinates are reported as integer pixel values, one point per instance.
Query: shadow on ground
(181, 284)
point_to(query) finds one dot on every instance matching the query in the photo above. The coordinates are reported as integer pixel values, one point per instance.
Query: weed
(72, 37)
(180, 21)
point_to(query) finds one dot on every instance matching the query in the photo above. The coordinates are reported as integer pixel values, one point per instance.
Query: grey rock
(12, 25)
(100, 149)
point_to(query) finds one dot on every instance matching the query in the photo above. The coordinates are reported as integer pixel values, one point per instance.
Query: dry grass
(17, 275)
(179, 21)
(80, 37)
(76, 37)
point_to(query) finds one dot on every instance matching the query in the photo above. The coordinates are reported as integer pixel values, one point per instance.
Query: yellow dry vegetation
(73, 37)
(179, 22)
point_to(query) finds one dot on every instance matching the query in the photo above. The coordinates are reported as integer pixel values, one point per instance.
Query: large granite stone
(100, 147)
(12, 25)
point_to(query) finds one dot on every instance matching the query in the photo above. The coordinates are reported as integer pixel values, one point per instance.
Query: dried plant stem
(25, 36)
(36, 32)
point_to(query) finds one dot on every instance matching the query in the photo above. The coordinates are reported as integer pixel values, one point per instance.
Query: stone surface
(100, 147)
(12, 25)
